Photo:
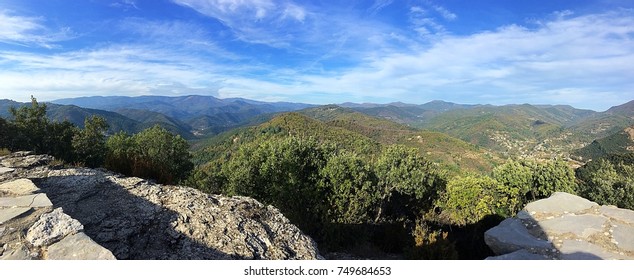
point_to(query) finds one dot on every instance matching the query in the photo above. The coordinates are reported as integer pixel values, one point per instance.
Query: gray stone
(5, 170)
(519, 255)
(52, 227)
(33, 200)
(19, 253)
(78, 247)
(624, 215)
(511, 235)
(560, 202)
(6, 214)
(624, 236)
(579, 225)
(19, 187)
(583, 250)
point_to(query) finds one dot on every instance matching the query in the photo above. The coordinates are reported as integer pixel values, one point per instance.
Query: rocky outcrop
(564, 226)
(97, 214)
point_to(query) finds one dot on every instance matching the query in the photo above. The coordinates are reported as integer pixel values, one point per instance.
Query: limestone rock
(578, 229)
(560, 202)
(24, 160)
(510, 236)
(33, 200)
(19, 187)
(624, 236)
(7, 214)
(52, 227)
(624, 215)
(20, 252)
(583, 250)
(78, 247)
(136, 219)
(5, 170)
(522, 254)
(579, 225)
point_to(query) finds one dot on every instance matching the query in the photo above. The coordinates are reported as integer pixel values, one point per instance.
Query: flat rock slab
(623, 215)
(583, 250)
(581, 225)
(19, 187)
(6, 214)
(20, 253)
(560, 202)
(33, 200)
(519, 255)
(510, 236)
(78, 247)
(624, 235)
(52, 227)
(5, 170)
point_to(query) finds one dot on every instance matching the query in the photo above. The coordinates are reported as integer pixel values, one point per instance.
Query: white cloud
(28, 31)
(253, 21)
(585, 61)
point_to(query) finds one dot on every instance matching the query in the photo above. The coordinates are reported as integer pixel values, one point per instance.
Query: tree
(7, 132)
(31, 127)
(119, 155)
(285, 173)
(351, 182)
(608, 180)
(552, 176)
(468, 199)
(516, 181)
(408, 184)
(153, 153)
(90, 142)
(161, 155)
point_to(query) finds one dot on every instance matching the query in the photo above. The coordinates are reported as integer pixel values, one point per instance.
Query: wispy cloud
(574, 60)
(29, 31)
(379, 5)
(125, 5)
(254, 21)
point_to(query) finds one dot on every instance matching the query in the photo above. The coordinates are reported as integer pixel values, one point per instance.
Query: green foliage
(90, 142)
(617, 143)
(120, 151)
(609, 180)
(352, 185)
(407, 184)
(31, 127)
(153, 153)
(552, 176)
(516, 180)
(58, 141)
(525, 180)
(283, 173)
(6, 133)
(31, 130)
(468, 199)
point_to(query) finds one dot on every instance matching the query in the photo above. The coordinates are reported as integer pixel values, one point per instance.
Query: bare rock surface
(97, 214)
(573, 227)
(52, 227)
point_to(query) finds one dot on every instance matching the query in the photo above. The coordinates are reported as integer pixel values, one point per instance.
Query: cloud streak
(28, 31)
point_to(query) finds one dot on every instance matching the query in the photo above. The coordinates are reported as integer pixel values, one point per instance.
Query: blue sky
(579, 53)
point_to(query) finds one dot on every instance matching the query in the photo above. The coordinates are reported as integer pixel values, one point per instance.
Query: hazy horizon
(577, 53)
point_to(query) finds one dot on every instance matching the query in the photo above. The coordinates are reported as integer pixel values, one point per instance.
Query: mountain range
(449, 132)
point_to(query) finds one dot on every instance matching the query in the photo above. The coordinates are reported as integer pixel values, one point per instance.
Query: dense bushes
(609, 180)
(153, 153)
